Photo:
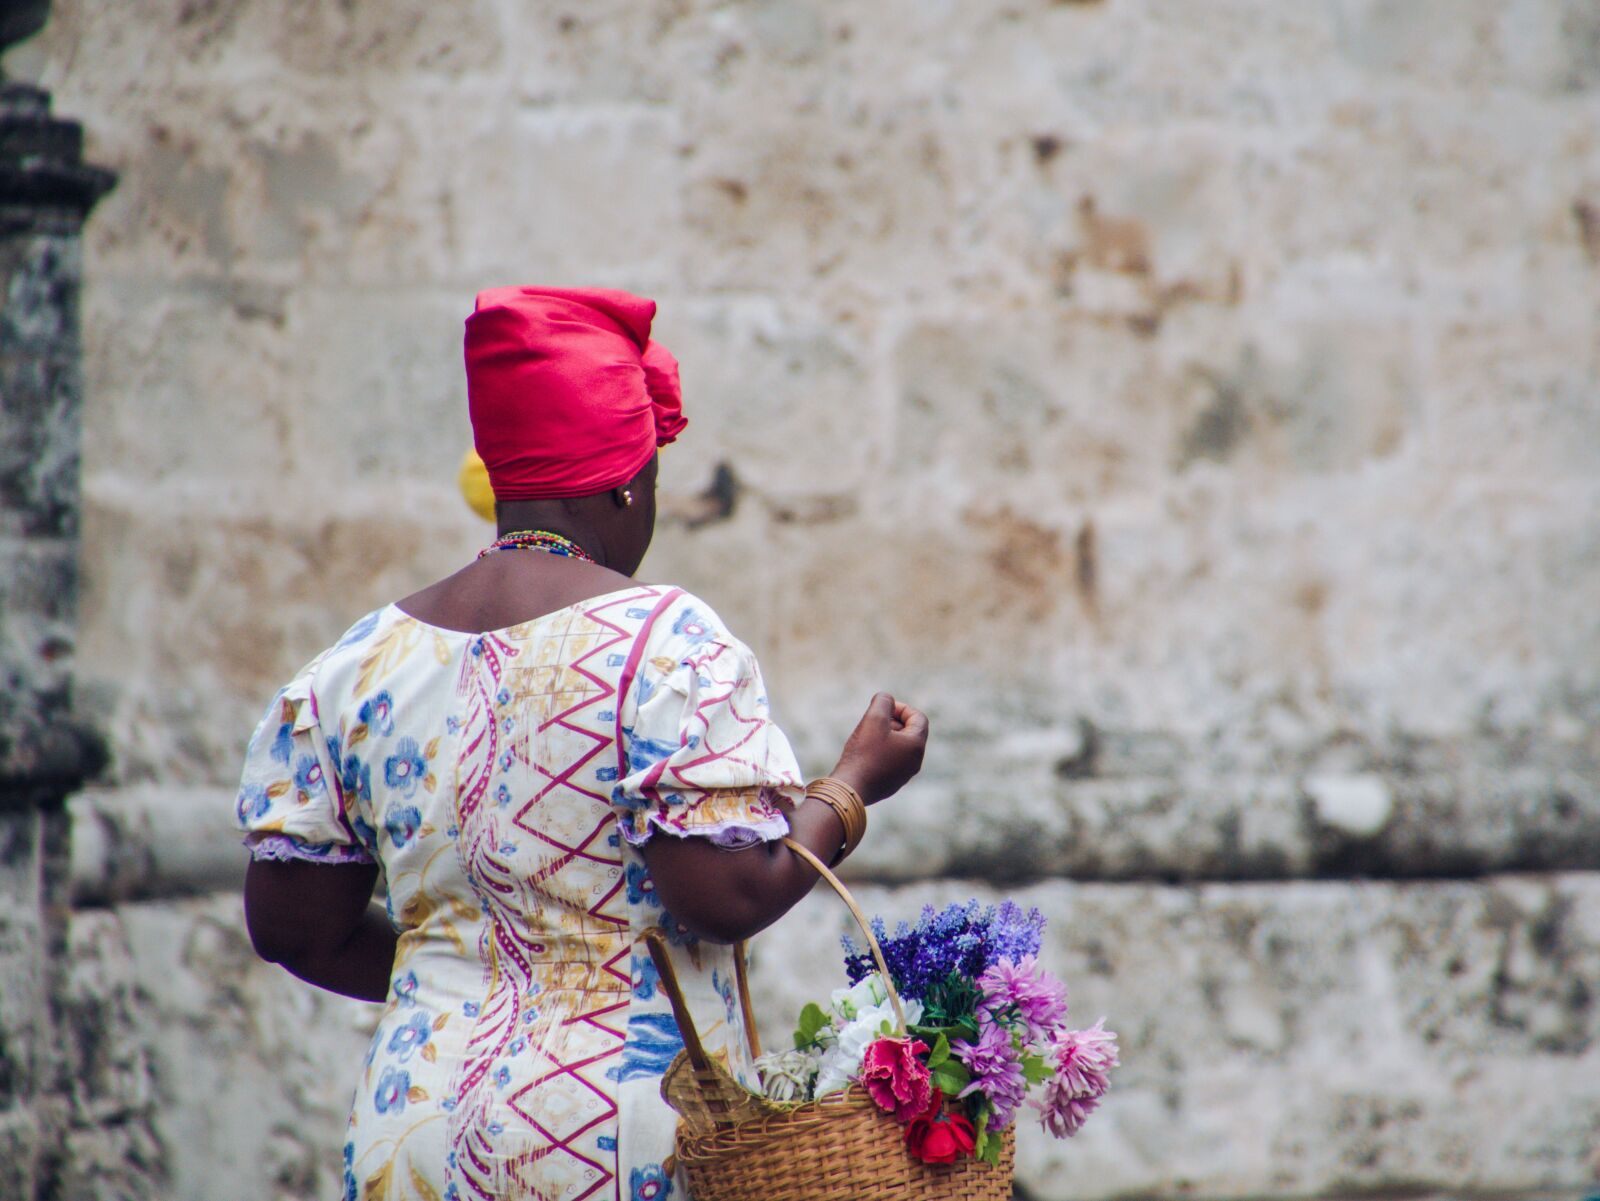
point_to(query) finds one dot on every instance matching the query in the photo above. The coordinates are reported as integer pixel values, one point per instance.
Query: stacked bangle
(847, 803)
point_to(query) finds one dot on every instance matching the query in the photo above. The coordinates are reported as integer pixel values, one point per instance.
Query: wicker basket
(736, 1146)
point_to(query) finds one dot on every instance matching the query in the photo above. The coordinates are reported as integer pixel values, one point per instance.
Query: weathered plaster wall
(1195, 406)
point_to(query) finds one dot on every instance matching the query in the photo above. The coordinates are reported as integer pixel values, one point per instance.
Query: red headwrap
(567, 393)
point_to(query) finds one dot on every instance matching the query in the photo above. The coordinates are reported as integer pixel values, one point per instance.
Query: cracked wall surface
(1196, 407)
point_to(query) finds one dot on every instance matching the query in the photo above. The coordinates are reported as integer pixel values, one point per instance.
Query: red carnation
(895, 1078)
(940, 1138)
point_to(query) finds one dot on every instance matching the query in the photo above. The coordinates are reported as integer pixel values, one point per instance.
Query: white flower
(849, 1002)
(841, 1062)
(787, 1075)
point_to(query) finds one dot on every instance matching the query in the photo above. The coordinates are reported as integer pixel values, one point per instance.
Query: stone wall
(1195, 407)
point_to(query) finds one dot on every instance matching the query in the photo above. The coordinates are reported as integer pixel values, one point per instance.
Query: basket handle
(693, 1049)
(861, 920)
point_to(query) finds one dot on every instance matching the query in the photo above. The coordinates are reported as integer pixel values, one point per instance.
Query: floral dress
(505, 782)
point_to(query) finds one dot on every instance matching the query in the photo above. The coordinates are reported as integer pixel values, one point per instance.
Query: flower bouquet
(983, 1023)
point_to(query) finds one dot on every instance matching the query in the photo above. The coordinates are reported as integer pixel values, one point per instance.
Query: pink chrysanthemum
(1084, 1059)
(1064, 1116)
(996, 1071)
(1030, 992)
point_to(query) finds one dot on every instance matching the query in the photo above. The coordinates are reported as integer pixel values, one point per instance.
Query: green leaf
(981, 1144)
(940, 1053)
(951, 1076)
(1036, 1069)
(812, 1022)
(991, 1148)
(968, 1028)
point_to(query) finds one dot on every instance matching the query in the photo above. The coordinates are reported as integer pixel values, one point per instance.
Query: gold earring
(627, 497)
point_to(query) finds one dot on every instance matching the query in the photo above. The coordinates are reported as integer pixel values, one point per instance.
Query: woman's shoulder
(685, 618)
(386, 634)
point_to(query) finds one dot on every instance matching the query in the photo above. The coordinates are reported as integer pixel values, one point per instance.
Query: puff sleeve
(700, 754)
(291, 803)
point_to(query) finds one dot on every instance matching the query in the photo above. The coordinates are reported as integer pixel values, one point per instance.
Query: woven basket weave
(736, 1146)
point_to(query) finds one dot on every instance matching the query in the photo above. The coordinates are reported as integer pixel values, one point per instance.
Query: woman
(545, 760)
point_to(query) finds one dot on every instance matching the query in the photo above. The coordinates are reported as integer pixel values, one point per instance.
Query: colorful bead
(551, 544)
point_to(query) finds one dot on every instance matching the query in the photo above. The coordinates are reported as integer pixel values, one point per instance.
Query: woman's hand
(885, 750)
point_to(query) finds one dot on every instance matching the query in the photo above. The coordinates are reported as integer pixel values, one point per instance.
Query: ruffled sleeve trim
(282, 848)
(733, 818)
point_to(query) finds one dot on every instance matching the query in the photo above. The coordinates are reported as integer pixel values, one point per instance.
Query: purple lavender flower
(996, 1071)
(1024, 991)
(1013, 934)
(964, 940)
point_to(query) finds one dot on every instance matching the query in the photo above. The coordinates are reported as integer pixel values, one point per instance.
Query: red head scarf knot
(567, 393)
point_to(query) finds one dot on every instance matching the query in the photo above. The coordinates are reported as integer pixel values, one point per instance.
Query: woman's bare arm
(316, 920)
(724, 896)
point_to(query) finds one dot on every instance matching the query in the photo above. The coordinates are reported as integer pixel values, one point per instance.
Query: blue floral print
(410, 1037)
(405, 989)
(351, 1192)
(405, 768)
(367, 835)
(402, 822)
(694, 628)
(724, 986)
(361, 629)
(646, 752)
(356, 778)
(308, 775)
(391, 1092)
(253, 802)
(377, 713)
(649, 1183)
(283, 743)
(641, 888)
(645, 979)
(653, 1041)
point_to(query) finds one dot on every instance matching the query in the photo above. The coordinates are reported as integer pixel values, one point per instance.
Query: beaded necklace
(551, 544)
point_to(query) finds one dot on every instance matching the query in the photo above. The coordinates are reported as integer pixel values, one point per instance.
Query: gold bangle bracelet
(847, 803)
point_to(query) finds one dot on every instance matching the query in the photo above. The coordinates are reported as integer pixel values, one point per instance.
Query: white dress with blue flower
(504, 782)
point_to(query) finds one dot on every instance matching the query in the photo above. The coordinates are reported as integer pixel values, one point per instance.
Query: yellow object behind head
(474, 480)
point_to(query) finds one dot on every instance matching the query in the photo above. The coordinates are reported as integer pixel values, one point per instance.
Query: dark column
(46, 753)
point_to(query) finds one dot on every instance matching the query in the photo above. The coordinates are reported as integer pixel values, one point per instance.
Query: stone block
(1542, 47)
(538, 195)
(112, 1150)
(780, 395)
(1022, 819)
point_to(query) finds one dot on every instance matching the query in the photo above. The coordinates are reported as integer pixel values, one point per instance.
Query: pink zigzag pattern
(505, 943)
